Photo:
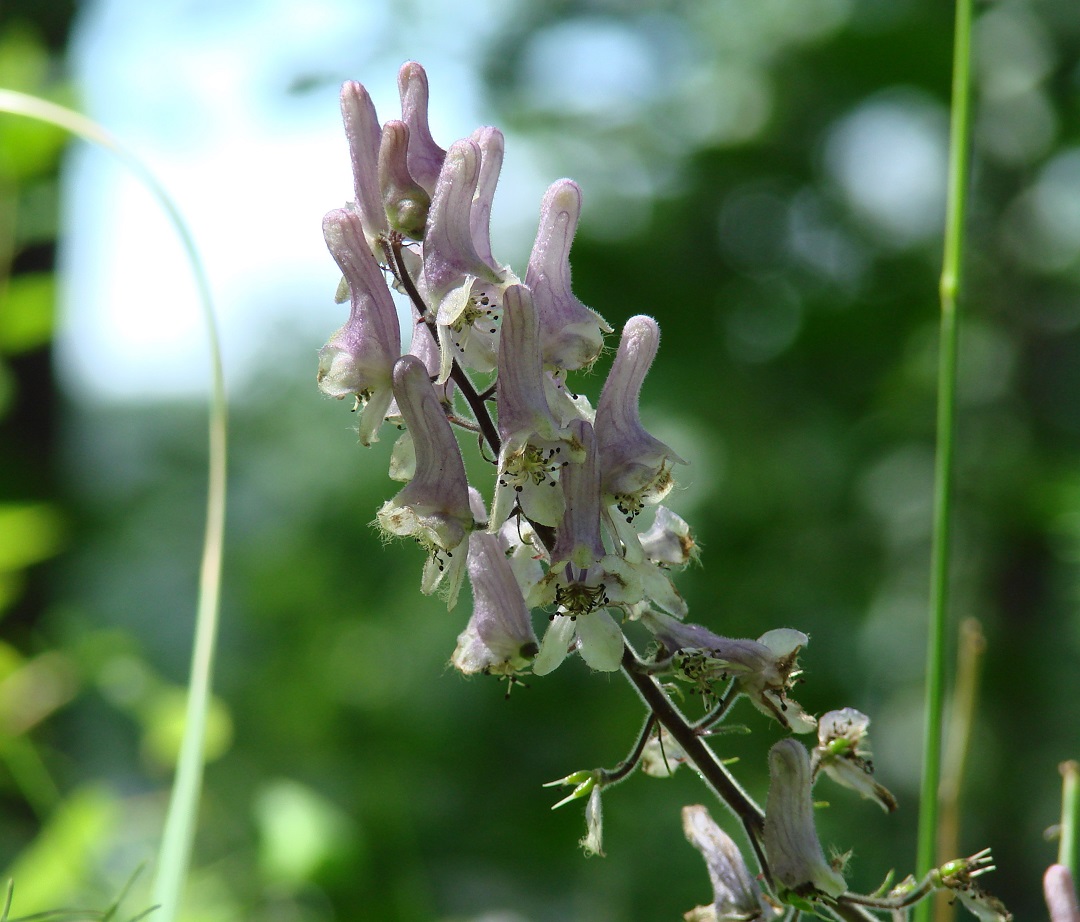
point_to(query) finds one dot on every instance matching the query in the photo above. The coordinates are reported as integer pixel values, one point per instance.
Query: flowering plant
(572, 521)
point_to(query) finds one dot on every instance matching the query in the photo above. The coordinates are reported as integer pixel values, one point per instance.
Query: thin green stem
(1070, 814)
(946, 436)
(179, 833)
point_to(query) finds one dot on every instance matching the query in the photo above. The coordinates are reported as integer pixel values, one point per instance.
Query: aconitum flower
(499, 638)
(358, 360)
(433, 508)
(735, 895)
(763, 669)
(571, 334)
(792, 848)
(363, 133)
(635, 467)
(404, 200)
(535, 448)
(843, 753)
(425, 156)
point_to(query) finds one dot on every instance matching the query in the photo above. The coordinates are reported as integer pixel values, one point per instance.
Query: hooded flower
(791, 844)
(635, 467)
(583, 579)
(735, 895)
(363, 133)
(433, 507)
(843, 753)
(535, 448)
(425, 156)
(499, 638)
(572, 335)
(404, 200)
(764, 668)
(359, 358)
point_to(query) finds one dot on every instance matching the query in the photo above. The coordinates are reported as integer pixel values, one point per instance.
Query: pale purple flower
(425, 156)
(571, 333)
(359, 358)
(790, 840)
(405, 201)
(534, 446)
(843, 753)
(763, 669)
(433, 508)
(464, 290)
(499, 638)
(1060, 894)
(363, 133)
(491, 144)
(735, 894)
(635, 467)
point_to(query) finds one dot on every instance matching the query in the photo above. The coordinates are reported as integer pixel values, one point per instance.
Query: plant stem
(1070, 814)
(943, 466)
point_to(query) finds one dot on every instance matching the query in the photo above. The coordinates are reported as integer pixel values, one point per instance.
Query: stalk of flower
(635, 467)
(464, 291)
(535, 448)
(791, 842)
(499, 638)
(358, 359)
(571, 334)
(433, 508)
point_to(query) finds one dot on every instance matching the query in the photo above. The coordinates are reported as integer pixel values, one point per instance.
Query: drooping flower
(764, 669)
(535, 448)
(433, 507)
(358, 359)
(635, 467)
(499, 638)
(571, 334)
(465, 292)
(790, 840)
(735, 895)
(843, 753)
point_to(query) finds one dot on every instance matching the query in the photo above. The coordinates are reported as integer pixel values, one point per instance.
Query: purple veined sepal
(535, 447)
(571, 334)
(790, 839)
(462, 288)
(425, 156)
(358, 359)
(499, 638)
(764, 669)
(635, 467)
(433, 508)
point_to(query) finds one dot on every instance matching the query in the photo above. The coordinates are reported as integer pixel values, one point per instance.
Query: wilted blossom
(636, 467)
(359, 358)
(662, 755)
(791, 843)
(668, 541)
(763, 669)
(433, 507)
(843, 753)
(571, 334)
(499, 638)
(958, 877)
(735, 895)
(593, 843)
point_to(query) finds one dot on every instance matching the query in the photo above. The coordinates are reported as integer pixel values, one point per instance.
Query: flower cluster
(571, 521)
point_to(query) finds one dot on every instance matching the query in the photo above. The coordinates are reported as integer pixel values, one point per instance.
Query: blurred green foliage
(733, 160)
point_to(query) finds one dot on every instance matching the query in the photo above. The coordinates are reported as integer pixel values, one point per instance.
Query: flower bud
(405, 201)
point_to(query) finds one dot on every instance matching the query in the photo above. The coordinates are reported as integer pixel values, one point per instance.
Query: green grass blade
(179, 833)
(946, 436)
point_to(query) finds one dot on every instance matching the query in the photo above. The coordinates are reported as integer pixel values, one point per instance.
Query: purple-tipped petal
(499, 638)
(635, 467)
(490, 142)
(425, 156)
(362, 130)
(358, 359)
(572, 334)
(405, 201)
(735, 895)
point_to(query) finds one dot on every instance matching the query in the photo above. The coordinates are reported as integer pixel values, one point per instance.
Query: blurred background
(767, 179)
